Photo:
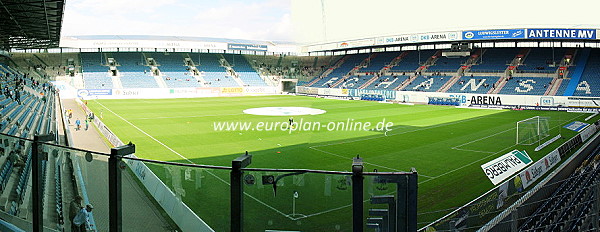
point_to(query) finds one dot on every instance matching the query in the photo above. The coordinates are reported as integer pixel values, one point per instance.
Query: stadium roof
(175, 38)
(26, 24)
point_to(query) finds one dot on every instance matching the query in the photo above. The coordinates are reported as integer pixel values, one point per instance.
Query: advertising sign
(494, 34)
(93, 92)
(561, 33)
(432, 37)
(505, 166)
(576, 126)
(539, 168)
(250, 47)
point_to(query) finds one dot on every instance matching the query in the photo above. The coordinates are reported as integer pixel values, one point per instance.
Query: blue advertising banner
(495, 34)
(251, 47)
(93, 92)
(561, 33)
(576, 126)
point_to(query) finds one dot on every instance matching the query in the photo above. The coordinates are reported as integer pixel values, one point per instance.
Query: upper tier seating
(413, 60)
(495, 60)
(540, 60)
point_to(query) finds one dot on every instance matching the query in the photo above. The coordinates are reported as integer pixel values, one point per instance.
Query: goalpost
(532, 130)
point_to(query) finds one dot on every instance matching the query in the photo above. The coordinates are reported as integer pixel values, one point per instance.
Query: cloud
(258, 19)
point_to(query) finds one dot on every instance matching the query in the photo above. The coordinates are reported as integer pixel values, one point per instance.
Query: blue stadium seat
(427, 83)
(475, 84)
(526, 86)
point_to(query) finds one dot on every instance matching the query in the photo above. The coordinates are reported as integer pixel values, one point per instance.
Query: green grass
(446, 145)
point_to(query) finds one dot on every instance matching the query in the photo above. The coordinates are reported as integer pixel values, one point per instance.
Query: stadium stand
(245, 71)
(387, 82)
(570, 206)
(412, 61)
(562, 87)
(350, 62)
(133, 71)
(526, 86)
(473, 84)
(353, 82)
(446, 64)
(94, 73)
(494, 60)
(380, 61)
(427, 83)
(542, 60)
(174, 70)
(589, 83)
(213, 73)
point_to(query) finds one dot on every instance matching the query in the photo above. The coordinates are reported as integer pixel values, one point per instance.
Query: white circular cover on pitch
(284, 111)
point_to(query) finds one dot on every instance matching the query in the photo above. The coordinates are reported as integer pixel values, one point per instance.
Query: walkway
(139, 212)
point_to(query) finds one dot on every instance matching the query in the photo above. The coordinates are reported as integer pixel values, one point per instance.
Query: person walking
(87, 123)
(81, 221)
(77, 124)
(74, 208)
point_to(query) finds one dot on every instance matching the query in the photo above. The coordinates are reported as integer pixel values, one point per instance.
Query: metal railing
(125, 190)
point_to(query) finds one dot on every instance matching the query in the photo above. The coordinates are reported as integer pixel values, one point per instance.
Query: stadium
(448, 125)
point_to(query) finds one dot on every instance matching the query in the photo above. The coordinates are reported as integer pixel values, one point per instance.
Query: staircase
(396, 60)
(116, 82)
(449, 84)
(406, 82)
(553, 88)
(328, 71)
(160, 81)
(369, 82)
(354, 70)
(365, 63)
(200, 79)
(499, 85)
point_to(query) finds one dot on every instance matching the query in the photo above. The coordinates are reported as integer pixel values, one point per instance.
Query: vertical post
(115, 211)
(514, 218)
(36, 188)
(411, 223)
(596, 208)
(237, 192)
(357, 194)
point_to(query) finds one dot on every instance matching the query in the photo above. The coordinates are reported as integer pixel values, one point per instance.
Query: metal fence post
(36, 188)
(237, 192)
(412, 201)
(357, 195)
(114, 186)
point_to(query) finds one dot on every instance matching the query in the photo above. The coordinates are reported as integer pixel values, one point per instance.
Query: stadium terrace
(458, 130)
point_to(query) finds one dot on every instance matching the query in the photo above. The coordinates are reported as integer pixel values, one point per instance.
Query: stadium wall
(87, 94)
(479, 100)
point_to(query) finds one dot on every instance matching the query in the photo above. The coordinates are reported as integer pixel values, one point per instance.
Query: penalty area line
(376, 165)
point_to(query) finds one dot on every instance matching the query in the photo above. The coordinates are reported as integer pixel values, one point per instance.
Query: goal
(532, 130)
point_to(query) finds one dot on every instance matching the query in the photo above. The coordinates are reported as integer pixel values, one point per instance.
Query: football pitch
(446, 145)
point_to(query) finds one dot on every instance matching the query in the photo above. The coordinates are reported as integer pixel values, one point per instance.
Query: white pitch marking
(191, 116)
(177, 153)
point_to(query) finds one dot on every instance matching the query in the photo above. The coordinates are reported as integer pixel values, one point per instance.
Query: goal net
(532, 130)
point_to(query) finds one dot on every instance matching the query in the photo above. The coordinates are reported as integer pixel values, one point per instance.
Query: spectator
(77, 124)
(81, 221)
(74, 208)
